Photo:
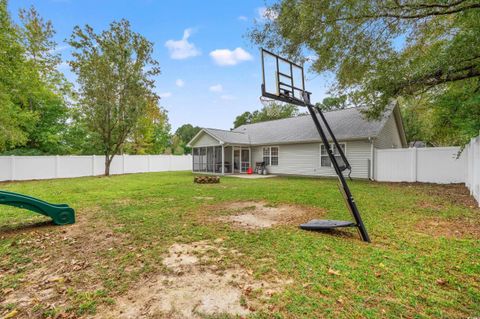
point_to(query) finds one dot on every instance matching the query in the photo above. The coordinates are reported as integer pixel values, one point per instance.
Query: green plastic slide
(61, 214)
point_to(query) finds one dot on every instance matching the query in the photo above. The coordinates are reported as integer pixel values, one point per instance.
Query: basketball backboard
(283, 80)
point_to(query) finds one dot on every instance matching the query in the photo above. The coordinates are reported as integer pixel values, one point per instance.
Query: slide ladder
(61, 214)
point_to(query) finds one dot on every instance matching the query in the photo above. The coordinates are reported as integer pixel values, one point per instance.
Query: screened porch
(221, 159)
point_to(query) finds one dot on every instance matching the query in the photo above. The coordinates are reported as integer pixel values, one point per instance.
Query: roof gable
(222, 136)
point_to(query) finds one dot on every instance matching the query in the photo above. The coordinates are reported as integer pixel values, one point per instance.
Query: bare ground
(194, 285)
(194, 280)
(450, 228)
(257, 215)
(453, 194)
(69, 258)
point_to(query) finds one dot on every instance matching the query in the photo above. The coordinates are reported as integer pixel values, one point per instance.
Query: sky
(210, 71)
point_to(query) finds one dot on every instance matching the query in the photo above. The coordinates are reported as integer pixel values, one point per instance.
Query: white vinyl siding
(304, 159)
(389, 136)
(205, 140)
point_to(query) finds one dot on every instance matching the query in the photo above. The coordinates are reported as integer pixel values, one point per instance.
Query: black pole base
(326, 224)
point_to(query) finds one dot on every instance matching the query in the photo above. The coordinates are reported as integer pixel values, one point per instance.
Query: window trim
(332, 145)
(270, 154)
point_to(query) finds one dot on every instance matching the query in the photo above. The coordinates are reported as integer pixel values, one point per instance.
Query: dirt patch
(63, 258)
(257, 215)
(195, 285)
(450, 228)
(453, 194)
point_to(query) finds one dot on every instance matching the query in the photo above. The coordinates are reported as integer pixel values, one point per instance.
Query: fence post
(123, 163)
(56, 166)
(12, 167)
(414, 165)
(148, 163)
(93, 165)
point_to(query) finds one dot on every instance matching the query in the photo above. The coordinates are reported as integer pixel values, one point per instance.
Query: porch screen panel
(210, 159)
(203, 159)
(196, 159)
(218, 159)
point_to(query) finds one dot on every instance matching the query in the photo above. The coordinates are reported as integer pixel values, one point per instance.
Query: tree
(115, 70)
(151, 133)
(445, 120)
(185, 133)
(380, 50)
(37, 39)
(272, 111)
(333, 103)
(32, 105)
(242, 119)
(12, 75)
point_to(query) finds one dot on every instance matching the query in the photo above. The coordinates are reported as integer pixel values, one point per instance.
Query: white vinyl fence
(14, 168)
(441, 165)
(473, 168)
(427, 165)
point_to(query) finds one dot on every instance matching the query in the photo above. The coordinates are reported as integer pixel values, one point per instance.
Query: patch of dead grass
(62, 258)
(450, 228)
(258, 215)
(453, 194)
(195, 285)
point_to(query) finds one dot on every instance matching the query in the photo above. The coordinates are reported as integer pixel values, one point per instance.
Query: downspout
(372, 158)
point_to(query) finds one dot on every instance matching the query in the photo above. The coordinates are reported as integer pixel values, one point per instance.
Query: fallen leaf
(441, 281)
(333, 272)
(11, 314)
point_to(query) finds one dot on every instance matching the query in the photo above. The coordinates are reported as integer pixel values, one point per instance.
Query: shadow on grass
(340, 233)
(19, 228)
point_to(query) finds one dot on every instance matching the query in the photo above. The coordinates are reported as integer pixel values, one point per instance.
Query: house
(292, 146)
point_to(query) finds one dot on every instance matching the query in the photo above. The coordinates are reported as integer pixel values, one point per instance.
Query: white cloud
(226, 57)
(182, 49)
(217, 88)
(264, 14)
(242, 18)
(180, 83)
(165, 94)
(227, 97)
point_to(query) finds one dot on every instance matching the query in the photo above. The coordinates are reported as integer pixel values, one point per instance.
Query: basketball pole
(349, 197)
(287, 92)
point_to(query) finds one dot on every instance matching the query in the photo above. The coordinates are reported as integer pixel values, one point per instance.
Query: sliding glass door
(241, 159)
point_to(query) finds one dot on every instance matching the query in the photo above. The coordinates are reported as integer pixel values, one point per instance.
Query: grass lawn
(423, 262)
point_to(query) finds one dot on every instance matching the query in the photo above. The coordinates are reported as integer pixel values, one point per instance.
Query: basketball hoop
(284, 81)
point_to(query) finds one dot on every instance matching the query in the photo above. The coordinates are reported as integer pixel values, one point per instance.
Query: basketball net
(266, 101)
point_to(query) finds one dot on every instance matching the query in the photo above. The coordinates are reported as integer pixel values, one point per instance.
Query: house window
(325, 159)
(274, 156)
(270, 155)
(266, 155)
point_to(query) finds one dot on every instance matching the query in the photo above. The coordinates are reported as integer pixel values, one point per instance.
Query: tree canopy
(115, 69)
(33, 107)
(272, 111)
(333, 103)
(384, 50)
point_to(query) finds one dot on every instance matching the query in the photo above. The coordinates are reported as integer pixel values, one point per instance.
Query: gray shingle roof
(346, 124)
(230, 137)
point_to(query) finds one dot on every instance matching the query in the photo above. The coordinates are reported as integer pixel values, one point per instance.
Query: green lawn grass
(406, 271)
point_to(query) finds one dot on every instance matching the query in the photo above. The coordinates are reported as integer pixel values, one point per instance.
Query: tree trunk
(108, 161)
